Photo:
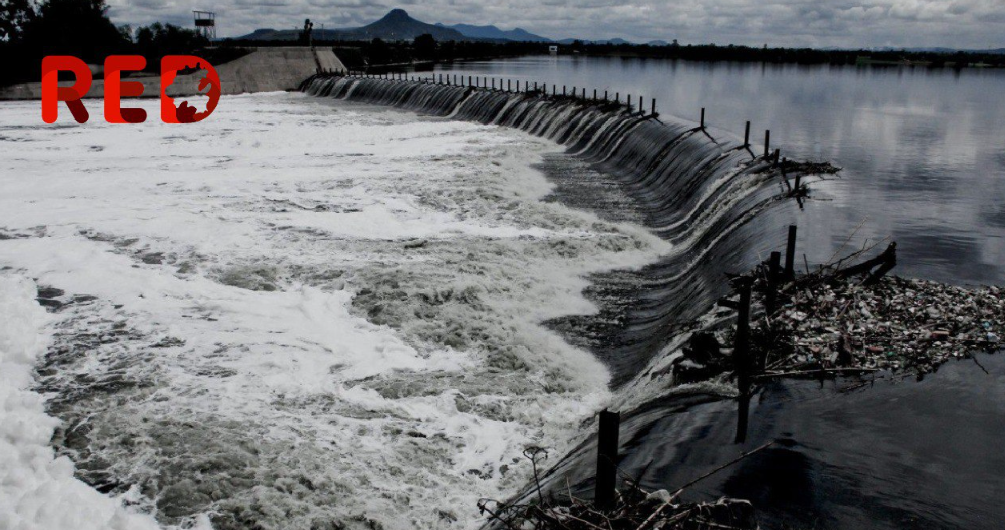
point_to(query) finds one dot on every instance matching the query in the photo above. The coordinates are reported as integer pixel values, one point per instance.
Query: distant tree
(15, 15)
(75, 27)
(157, 40)
(377, 52)
(425, 47)
(54, 27)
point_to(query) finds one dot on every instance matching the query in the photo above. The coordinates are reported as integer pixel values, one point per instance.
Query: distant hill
(396, 25)
(603, 41)
(494, 33)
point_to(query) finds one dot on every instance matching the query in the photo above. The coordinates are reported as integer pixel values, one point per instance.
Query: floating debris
(837, 321)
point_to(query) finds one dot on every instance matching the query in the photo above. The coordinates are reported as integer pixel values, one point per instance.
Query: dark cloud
(954, 23)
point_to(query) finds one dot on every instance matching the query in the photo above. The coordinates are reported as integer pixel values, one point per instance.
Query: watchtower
(205, 24)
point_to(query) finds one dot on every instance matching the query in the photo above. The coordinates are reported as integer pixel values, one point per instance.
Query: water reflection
(922, 149)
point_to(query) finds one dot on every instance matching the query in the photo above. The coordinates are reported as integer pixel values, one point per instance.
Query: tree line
(32, 30)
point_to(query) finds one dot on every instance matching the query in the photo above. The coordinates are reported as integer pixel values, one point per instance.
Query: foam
(306, 313)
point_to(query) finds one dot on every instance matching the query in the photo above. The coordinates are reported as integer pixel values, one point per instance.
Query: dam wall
(697, 192)
(263, 70)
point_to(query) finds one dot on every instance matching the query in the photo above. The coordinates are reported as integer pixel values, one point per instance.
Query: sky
(820, 23)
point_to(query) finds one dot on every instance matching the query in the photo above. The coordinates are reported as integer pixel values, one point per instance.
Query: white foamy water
(298, 314)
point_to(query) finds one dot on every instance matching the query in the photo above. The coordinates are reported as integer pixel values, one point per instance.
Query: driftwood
(885, 261)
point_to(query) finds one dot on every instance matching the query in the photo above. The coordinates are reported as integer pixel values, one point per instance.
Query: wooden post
(607, 460)
(771, 296)
(741, 357)
(605, 95)
(617, 97)
(746, 136)
(774, 157)
(653, 111)
(703, 118)
(767, 142)
(594, 94)
(640, 106)
(563, 90)
(786, 177)
(790, 255)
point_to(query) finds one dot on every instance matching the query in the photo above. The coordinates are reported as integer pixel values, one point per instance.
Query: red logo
(116, 88)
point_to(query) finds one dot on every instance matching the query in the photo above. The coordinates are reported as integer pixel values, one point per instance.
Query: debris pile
(633, 508)
(659, 510)
(834, 321)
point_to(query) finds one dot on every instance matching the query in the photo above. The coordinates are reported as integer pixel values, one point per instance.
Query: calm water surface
(923, 151)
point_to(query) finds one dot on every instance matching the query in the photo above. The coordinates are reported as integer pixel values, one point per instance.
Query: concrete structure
(262, 70)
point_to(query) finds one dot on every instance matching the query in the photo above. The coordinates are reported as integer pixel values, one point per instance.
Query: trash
(890, 324)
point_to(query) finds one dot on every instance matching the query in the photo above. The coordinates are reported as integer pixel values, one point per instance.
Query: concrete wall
(262, 70)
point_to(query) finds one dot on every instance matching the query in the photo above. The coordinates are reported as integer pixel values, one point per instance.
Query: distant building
(553, 49)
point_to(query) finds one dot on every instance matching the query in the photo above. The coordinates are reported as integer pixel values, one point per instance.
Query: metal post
(607, 459)
(790, 254)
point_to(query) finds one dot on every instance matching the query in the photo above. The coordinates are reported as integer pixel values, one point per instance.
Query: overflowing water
(691, 189)
(713, 201)
(920, 148)
(312, 315)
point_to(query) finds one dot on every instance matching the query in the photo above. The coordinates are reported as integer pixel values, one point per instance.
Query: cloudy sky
(819, 23)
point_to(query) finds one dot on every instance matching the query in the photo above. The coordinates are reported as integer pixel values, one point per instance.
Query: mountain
(396, 25)
(494, 33)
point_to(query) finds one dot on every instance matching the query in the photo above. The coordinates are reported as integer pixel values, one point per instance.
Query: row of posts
(745, 364)
(488, 82)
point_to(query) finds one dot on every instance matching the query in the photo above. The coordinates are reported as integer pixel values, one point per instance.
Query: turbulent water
(300, 314)
(694, 191)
